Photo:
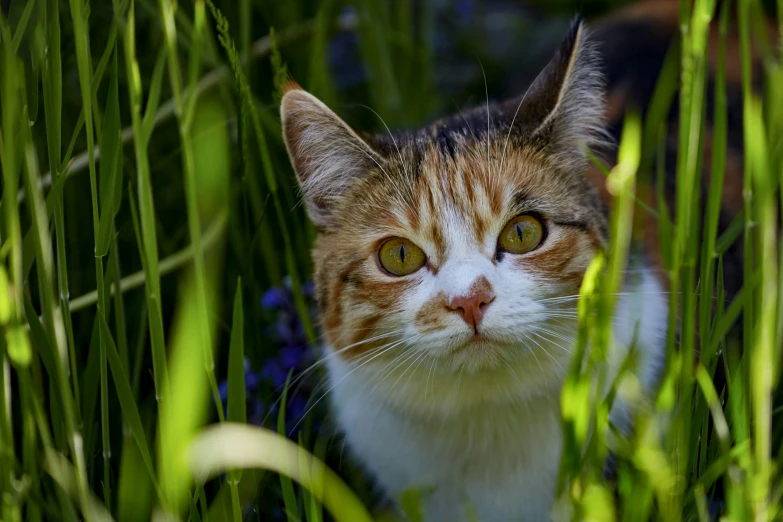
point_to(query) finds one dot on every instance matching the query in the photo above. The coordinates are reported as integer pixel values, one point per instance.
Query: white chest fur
(471, 439)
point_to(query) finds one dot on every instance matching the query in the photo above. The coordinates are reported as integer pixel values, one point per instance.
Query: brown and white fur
(422, 399)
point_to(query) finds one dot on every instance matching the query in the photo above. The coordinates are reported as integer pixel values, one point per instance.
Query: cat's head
(458, 247)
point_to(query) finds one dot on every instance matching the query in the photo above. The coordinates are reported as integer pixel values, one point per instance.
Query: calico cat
(448, 265)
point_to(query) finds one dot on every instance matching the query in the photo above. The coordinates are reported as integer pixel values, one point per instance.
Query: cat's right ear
(327, 155)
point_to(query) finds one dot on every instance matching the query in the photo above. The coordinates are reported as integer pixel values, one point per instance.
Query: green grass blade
(269, 172)
(113, 276)
(712, 214)
(183, 409)
(21, 25)
(232, 445)
(127, 402)
(28, 243)
(135, 492)
(145, 216)
(79, 13)
(52, 86)
(289, 496)
(376, 56)
(41, 340)
(153, 99)
(63, 473)
(110, 167)
(319, 79)
(237, 399)
(763, 365)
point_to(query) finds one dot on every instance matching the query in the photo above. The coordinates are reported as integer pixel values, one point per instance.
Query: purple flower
(290, 357)
(465, 8)
(252, 381)
(275, 373)
(274, 298)
(255, 407)
(257, 412)
(284, 331)
(297, 407)
(293, 355)
(308, 288)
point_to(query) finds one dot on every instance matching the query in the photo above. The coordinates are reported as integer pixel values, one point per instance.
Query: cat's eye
(521, 235)
(401, 257)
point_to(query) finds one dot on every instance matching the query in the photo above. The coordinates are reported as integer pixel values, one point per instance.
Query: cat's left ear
(564, 106)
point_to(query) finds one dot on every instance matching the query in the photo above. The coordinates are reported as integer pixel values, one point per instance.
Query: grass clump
(115, 347)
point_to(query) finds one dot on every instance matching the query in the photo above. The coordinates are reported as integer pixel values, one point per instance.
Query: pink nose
(471, 307)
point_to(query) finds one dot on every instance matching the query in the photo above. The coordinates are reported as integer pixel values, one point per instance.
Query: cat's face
(460, 247)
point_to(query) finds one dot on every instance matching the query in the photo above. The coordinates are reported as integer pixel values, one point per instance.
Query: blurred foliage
(189, 206)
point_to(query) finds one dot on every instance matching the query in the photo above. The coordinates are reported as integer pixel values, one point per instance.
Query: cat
(448, 263)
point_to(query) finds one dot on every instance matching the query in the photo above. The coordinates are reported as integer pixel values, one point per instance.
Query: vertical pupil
(519, 232)
(402, 254)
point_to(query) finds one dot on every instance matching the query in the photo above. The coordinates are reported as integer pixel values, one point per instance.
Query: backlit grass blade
(127, 402)
(183, 409)
(30, 451)
(79, 13)
(63, 473)
(41, 341)
(712, 212)
(21, 25)
(733, 232)
(146, 211)
(52, 94)
(743, 15)
(135, 492)
(51, 313)
(763, 365)
(237, 400)
(153, 99)
(11, 158)
(287, 487)
(185, 105)
(236, 363)
(28, 243)
(110, 166)
(232, 446)
(113, 275)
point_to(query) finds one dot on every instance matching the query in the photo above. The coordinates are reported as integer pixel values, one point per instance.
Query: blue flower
(297, 407)
(274, 298)
(293, 355)
(465, 8)
(274, 372)
(308, 288)
(290, 357)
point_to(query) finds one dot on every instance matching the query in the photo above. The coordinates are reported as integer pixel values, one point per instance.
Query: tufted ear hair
(327, 155)
(564, 106)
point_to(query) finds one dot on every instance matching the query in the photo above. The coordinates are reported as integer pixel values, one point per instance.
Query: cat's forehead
(459, 190)
(467, 174)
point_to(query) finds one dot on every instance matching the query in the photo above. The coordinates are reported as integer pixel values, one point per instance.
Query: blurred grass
(122, 349)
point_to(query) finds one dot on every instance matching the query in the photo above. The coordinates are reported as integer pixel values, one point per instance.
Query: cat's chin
(493, 351)
(481, 354)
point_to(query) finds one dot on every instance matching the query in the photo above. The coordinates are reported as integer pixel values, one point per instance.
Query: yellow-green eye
(521, 235)
(400, 257)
